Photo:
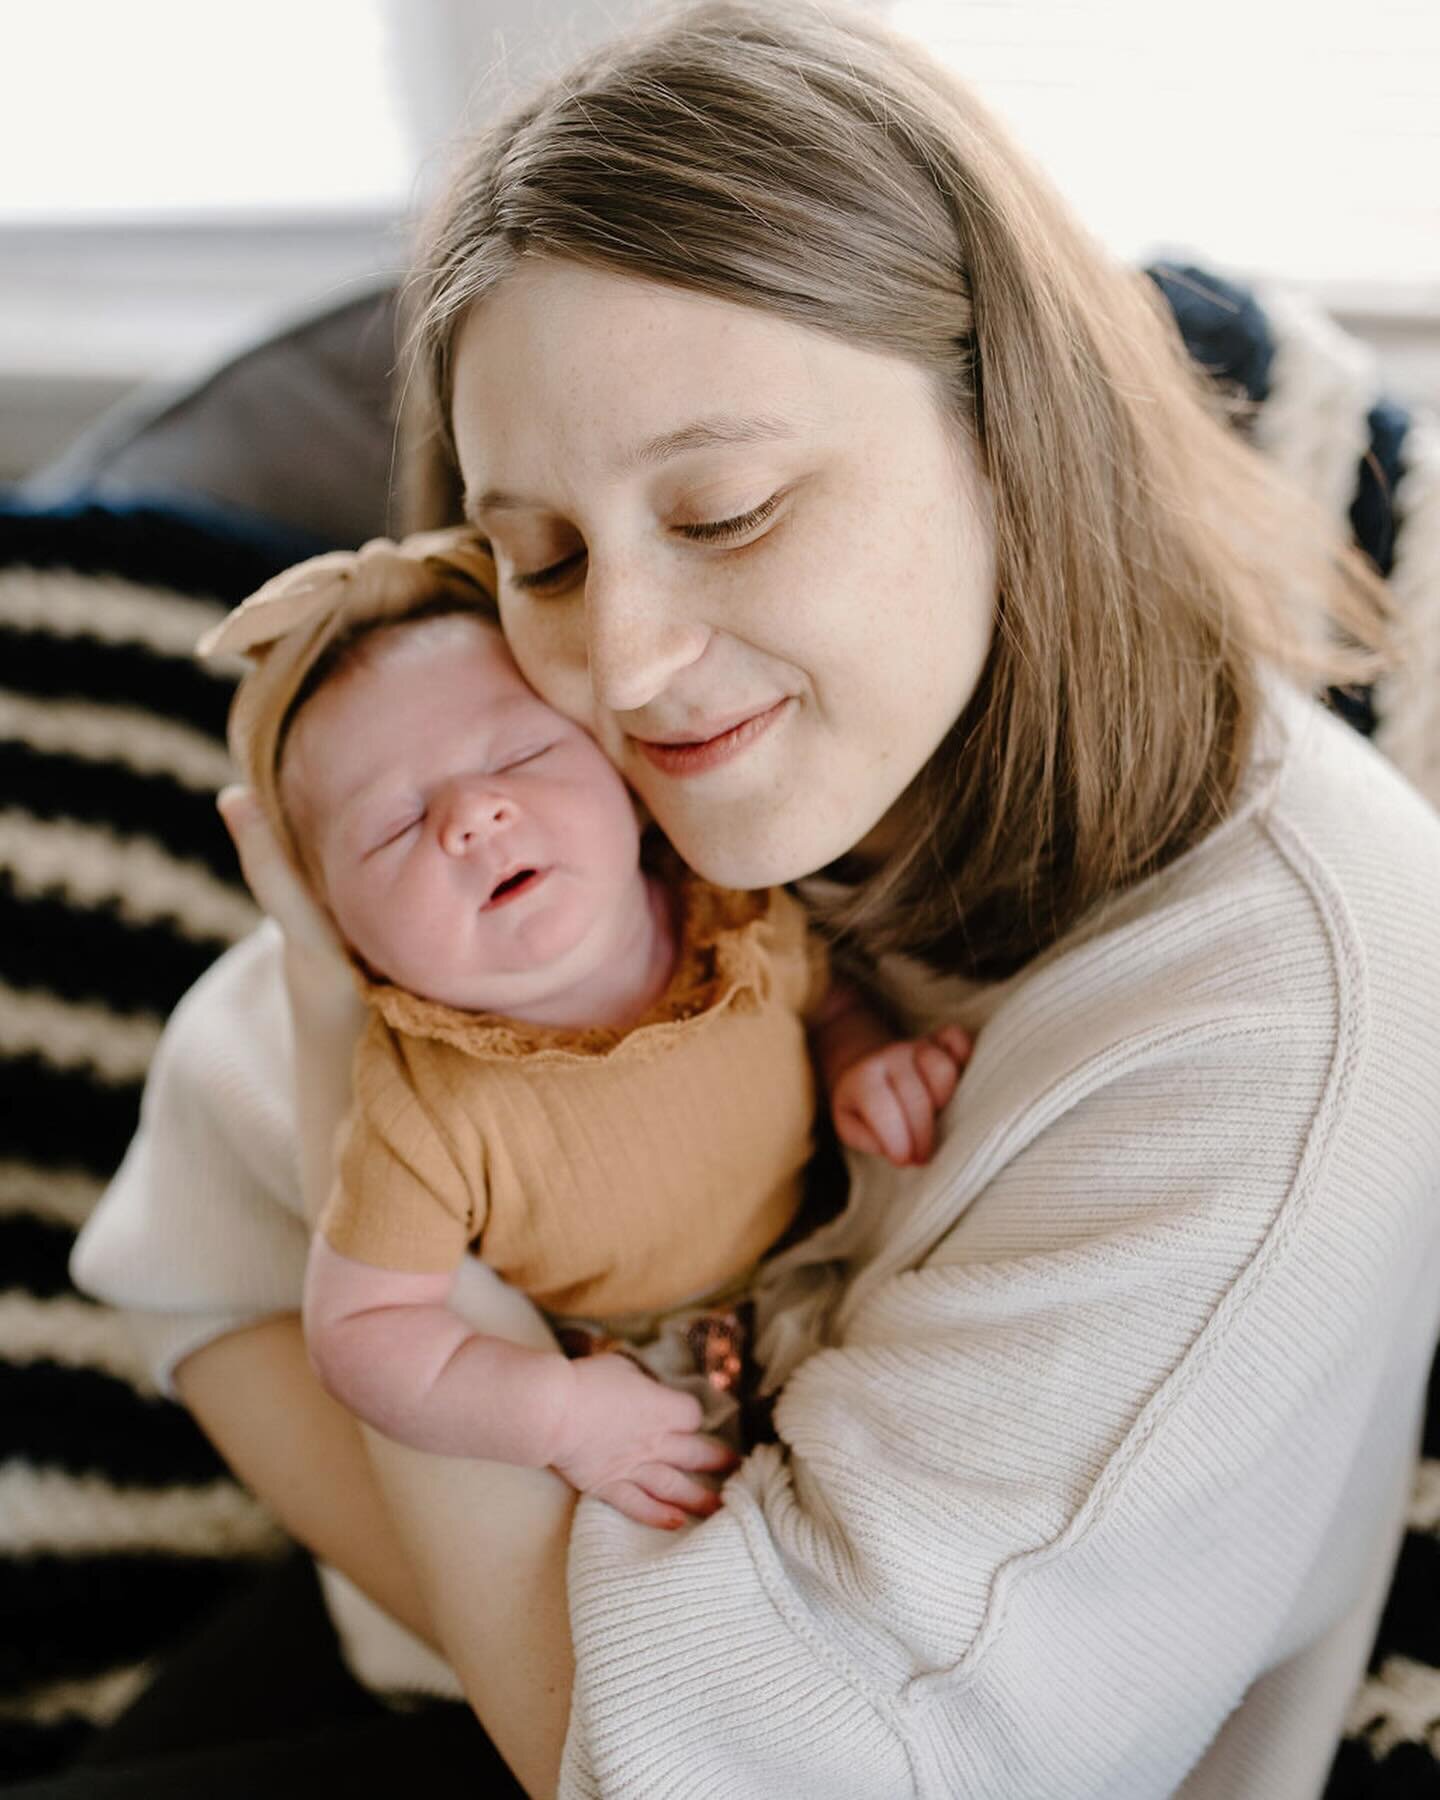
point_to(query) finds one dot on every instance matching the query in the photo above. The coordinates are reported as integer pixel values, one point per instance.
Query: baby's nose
(472, 813)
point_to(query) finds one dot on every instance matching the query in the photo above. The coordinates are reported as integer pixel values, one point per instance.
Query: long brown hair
(1150, 563)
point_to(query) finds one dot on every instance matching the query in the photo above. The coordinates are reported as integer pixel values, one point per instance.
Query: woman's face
(753, 560)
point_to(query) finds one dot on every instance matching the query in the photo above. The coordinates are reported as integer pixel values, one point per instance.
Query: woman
(873, 524)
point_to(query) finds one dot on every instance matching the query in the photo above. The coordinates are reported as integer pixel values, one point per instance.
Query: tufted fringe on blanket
(1323, 383)
(1316, 421)
(1408, 701)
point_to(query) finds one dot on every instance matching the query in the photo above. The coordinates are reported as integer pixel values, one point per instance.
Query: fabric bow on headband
(351, 586)
(289, 624)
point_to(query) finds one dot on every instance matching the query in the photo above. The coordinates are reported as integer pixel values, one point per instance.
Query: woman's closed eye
(721, 531)
(709, 531)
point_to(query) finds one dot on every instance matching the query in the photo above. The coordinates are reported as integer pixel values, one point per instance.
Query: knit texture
(1106, 1445)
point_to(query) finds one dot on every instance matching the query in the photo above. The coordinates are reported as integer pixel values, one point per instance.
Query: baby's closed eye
(392, 832)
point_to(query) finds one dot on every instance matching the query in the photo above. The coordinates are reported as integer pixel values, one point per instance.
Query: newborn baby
(594, 1072)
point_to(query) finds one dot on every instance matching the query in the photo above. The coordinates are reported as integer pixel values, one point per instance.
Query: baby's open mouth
(513, 885)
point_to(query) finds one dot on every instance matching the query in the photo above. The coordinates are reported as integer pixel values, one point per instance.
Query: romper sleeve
(1104, 1428)
(400, 1199)
(201, 1231)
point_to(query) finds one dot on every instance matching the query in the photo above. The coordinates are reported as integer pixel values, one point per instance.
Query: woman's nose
(638, 637)
(470, 815)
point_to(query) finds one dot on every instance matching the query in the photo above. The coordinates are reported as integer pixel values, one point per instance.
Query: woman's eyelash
(715, 531)
(718, 530)
(547, 577)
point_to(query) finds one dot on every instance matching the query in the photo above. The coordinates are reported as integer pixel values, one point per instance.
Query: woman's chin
(755, 860)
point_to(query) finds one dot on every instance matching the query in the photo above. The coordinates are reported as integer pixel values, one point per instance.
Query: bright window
(163, 108)
(1299, 141)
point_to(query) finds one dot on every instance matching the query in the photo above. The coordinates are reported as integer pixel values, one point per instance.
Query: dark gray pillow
(296, 430)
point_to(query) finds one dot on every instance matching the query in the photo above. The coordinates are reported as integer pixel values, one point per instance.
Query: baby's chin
(448, 986)
(535, 973)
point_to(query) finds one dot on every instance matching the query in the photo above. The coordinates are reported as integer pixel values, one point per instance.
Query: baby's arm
(884, 1092)
(386, 1344)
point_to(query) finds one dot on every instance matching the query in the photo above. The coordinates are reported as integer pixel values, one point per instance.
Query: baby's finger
(698, 1452)
(673, 1487)
(884, 1113)
(855, 1134)
(938, 1072)
(629, 1498)
(956, 1042)
(915, 1105)
(677, 1412)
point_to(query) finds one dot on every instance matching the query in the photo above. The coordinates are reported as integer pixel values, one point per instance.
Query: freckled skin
(865, 600)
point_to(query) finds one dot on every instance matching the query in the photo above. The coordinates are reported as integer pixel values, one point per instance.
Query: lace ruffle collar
(724, 962)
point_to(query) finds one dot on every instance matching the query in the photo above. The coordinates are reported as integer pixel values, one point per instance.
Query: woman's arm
(255, 1397)
(487, 1542)
(500, 1601)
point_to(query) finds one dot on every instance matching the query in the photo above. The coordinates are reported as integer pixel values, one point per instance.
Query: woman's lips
(709, 753)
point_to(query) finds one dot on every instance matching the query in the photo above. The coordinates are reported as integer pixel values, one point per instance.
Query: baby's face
(472, 844)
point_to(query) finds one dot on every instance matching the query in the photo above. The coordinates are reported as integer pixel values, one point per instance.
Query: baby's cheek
(363, 919)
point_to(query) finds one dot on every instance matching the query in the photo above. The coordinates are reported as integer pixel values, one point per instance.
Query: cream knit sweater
(1098, 1431)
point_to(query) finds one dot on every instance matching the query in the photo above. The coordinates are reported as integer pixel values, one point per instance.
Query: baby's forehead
(455, 667)
(448, 642)
(435, 634)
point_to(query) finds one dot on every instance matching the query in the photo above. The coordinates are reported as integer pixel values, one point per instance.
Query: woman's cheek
(548, 643)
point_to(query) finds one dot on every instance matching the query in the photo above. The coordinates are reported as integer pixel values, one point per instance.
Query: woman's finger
(277, 888)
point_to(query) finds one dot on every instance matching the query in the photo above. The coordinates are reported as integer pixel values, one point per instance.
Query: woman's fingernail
(234, 803)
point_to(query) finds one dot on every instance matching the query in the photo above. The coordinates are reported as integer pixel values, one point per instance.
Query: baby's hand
(885, 1104)
(636, 1443)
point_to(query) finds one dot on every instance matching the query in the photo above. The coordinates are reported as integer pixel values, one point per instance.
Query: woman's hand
(325, 1007)
(278, 890)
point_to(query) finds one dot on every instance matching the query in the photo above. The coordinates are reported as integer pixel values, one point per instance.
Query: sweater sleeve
(1058, 1487)
(201, 1230)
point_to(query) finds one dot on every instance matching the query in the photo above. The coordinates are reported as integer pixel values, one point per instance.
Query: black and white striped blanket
(118, 1526)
